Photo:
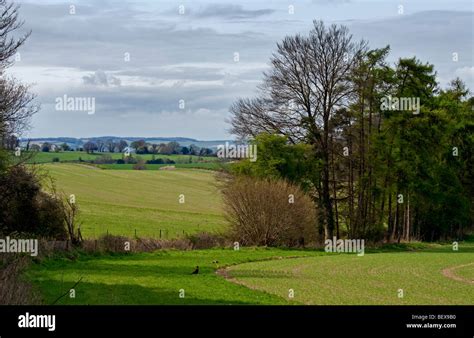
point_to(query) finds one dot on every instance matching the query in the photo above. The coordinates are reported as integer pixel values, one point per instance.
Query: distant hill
(78, 142)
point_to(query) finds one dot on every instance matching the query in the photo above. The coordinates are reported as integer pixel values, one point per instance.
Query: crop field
(132, 202)
(422, 278)
(261, 276)
(193, 165)
(73, 156)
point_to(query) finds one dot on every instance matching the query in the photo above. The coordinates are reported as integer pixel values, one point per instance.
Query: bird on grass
(196, 271)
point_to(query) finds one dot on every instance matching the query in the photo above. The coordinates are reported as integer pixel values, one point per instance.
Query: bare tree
(9, 23)
(309, 81)
(90, 147)
(110, 144)
(16, 107)
(121, 145)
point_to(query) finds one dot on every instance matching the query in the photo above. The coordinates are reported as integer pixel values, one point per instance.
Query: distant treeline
(112, 145)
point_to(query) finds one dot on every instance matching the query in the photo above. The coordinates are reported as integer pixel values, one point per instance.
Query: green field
(151, 278)
(194, 165)
(122, 201)
(73, 156)
(316, 277)
(370, 280)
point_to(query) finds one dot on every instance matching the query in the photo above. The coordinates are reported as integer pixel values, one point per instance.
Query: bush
(260, 212)
(55, 159)
(104, 159)
(155, 161)
(130, 160)
(117, 244)
(13, 289)
(205, 240)
(26, 209)
(140, 165)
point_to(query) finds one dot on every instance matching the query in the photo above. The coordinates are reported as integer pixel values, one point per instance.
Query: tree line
(383, 151)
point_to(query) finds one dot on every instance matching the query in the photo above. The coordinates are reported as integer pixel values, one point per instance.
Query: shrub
(130, 160)
(26, 209)
(55, 159)
(13, 289)
(104, 159)
(140, 165)
(261, 212)
(205, 240)
(156, 161)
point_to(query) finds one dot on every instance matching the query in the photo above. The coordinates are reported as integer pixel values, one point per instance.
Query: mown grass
(121, 202)
(152, 278)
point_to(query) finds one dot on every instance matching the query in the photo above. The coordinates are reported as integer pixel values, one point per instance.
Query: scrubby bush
(104, 159)
(205, 240)
(130, 160)
(140, 165)
(269, 212)
(25, 208)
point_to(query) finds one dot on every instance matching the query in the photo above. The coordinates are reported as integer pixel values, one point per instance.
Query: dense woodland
(373, 170)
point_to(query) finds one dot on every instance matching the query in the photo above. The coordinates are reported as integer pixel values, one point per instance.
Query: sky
(173, 68)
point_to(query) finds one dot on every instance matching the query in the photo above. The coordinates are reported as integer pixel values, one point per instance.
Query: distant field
(70, 156)
(120, 201)
(196, 165)
(252, 278)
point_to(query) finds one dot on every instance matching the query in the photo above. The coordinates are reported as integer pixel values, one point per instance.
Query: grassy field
(373, 279)
(151, 278)
(260, 276)
(120, 201)
(194, 165)
(72, 156)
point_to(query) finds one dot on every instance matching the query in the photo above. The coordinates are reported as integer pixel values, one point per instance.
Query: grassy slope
(121, 201)
(152, 278)
(316, 277)
(372, 279)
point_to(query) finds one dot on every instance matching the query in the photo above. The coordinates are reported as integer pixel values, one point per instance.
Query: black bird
(196, 271)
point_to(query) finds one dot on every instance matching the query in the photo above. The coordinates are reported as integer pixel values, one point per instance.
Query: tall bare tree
(16, 103)
(309, 81)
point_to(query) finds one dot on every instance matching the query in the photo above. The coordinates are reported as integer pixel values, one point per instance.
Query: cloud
(100, 78)
(231, 12)
(191, 58)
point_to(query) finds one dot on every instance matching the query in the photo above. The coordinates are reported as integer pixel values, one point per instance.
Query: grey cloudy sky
(190, 57)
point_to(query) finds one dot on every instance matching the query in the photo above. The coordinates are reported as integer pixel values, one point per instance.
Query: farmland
(76, 156)
(261, 276)
(129, 202)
